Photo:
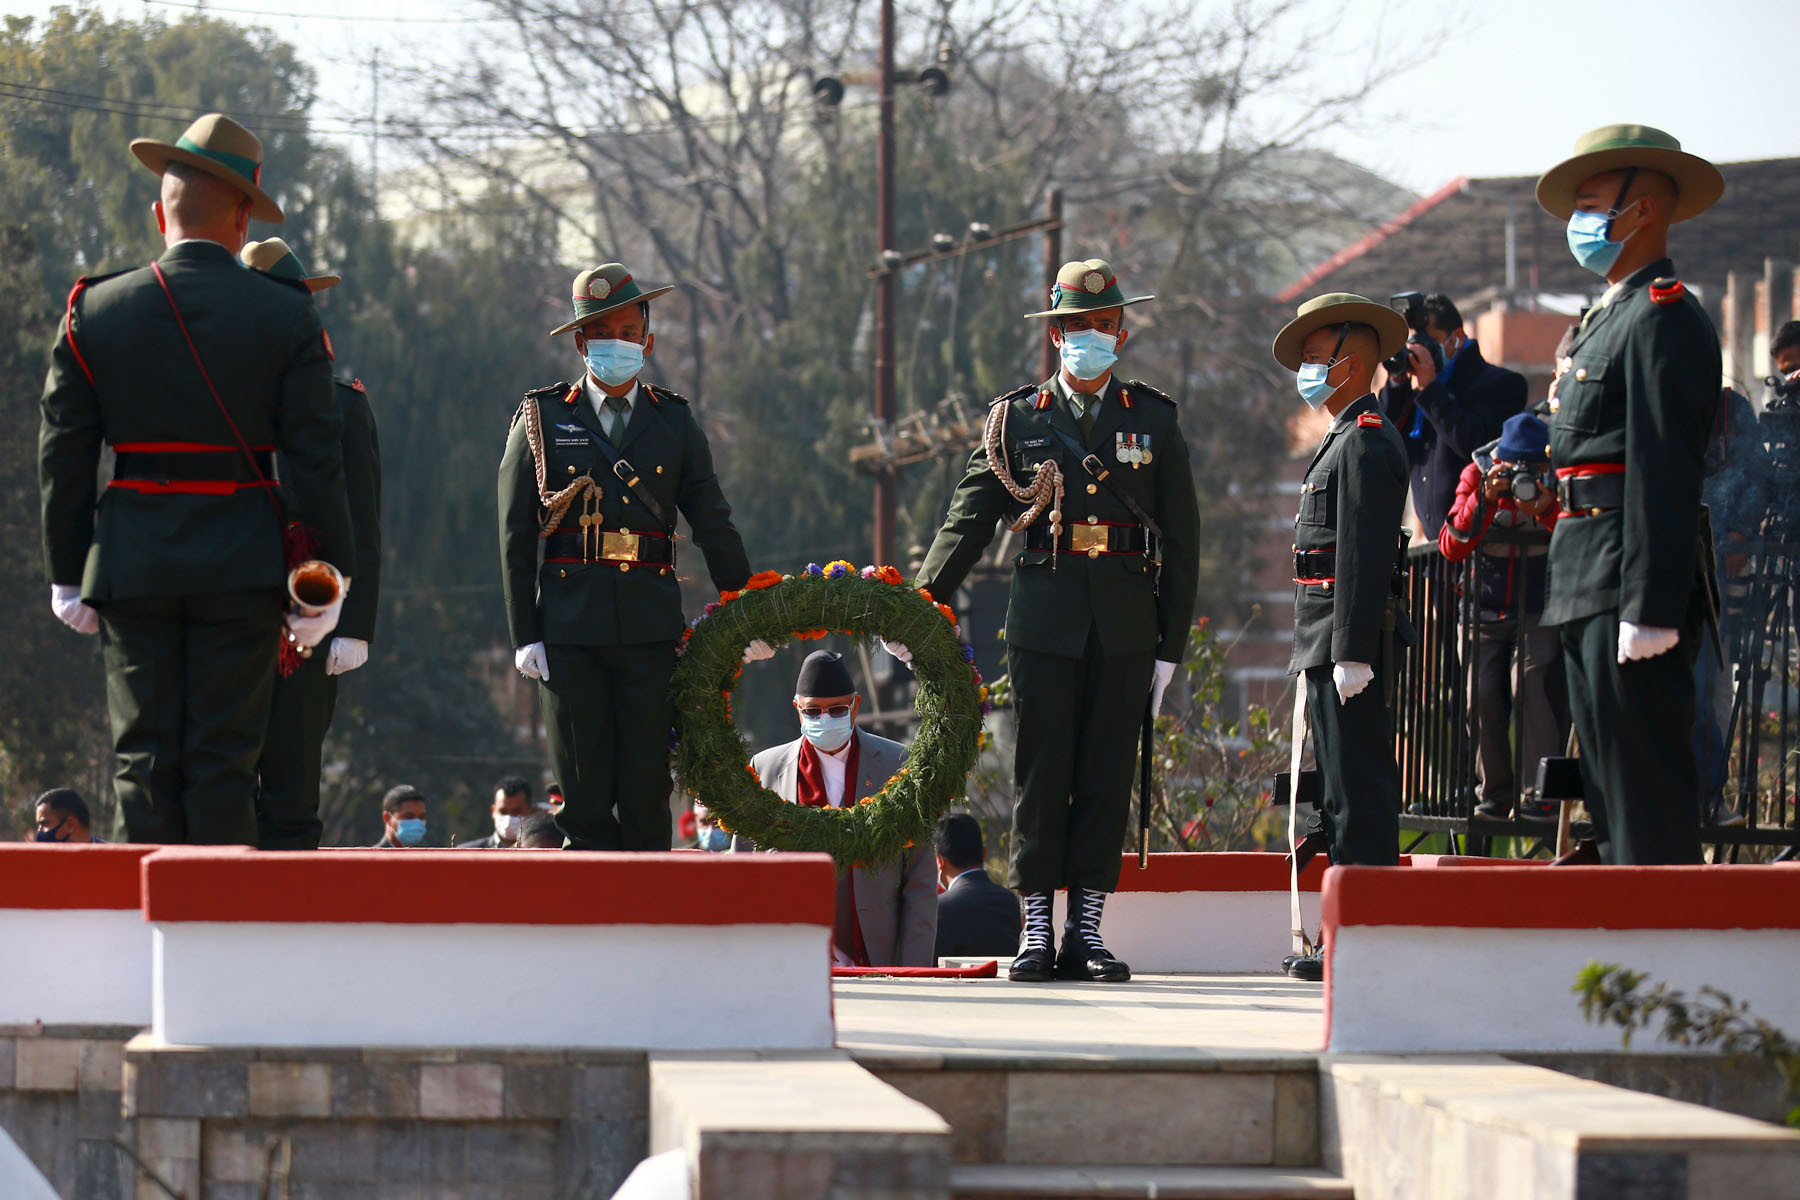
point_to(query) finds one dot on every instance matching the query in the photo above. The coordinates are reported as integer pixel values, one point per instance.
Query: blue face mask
(1590, 239)
(1088, 353)
(50, 835)
(1312, 383)
(410, 831)
(714, 838)
(613, 361)
(827, 733)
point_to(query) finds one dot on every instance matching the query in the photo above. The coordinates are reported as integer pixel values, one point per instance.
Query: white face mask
(507, 827)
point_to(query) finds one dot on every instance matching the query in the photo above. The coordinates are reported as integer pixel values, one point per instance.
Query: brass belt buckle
(1088, 539)
(622, 545)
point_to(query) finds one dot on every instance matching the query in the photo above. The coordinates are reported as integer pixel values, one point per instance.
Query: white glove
(1644, 641)
(65, 602)
(898, 651)
(310, 631)
(1351, 678)
(346, 654)
(758, 650)
(839, 958)
(1159, 684)
(532, 662)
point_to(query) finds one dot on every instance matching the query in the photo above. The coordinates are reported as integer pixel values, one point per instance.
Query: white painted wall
(62, 966)
(636, 986)
(1424, 990)
(1162, 932)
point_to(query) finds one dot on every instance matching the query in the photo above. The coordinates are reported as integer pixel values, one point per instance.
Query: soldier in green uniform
(1629, 576)
(196, 372)
(287, 790)
(1345, 538)
(592, 479)
(1095, 471)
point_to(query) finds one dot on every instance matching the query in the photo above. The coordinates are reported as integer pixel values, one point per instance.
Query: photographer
(1444, 414)
(1505, 509)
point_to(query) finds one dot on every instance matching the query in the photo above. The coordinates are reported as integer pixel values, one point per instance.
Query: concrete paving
(1173, 1022)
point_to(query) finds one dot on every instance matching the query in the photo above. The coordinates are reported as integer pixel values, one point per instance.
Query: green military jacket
(1054, 604)
(362, 483)
(604, 603)
(1642, 389)
(1351, 503)
(266, 352)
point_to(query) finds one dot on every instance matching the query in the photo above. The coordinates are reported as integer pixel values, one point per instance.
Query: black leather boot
(1036, 960)
(1084, 955)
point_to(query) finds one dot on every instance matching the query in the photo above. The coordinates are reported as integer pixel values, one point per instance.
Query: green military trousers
(1079, 722)
(287, 777)
(188, 685)
(607, 712)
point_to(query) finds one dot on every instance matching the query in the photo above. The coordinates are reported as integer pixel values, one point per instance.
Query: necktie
(1085, 404)
(615, 423)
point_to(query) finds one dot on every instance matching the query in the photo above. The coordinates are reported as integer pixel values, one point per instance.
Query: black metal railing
(1434, 696)
(1762, 651)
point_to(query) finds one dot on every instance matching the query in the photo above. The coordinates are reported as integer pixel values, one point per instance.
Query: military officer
(590, 484)
(196, 372)
(1629, 578)
(287, 790)
(1095, 471)
(1345, 540)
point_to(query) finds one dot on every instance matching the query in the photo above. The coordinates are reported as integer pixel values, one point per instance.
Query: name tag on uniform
(1033, 444)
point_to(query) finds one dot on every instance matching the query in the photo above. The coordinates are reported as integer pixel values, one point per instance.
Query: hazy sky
(1508, 93)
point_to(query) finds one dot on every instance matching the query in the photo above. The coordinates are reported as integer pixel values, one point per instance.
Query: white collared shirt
(832, 767)
(597, 399)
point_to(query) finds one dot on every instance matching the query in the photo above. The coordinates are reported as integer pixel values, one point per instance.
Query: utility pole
(885, 490)
(1052, 264)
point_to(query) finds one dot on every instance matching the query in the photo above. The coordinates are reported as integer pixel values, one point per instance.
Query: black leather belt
(185, 466)
(606, 545)
(1590, 495)
(1315, 564)
(1093, 540)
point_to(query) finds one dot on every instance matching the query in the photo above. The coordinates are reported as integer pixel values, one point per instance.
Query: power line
(299, 16)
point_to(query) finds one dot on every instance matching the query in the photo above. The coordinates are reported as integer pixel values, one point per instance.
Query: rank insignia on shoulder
(1666, 290)
(1139, 386)
(1016, 394)
(658, 394)
(1369, 421)
(1125, 398)
(1043, 400)
(357, 385)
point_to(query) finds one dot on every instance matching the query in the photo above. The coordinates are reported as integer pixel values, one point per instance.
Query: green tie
(1085, 405)
(615, 425)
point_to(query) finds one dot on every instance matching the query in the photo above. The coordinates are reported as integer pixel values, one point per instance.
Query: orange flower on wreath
(762, 579)
(889, 575)
(728, 597)
(926, 592)
(949, 615)
(810, 634)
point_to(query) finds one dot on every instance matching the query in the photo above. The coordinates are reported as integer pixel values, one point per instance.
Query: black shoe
(1078, 961)
(1492, 812)
(1032, 966)
(1307, 967)
(1309, 848)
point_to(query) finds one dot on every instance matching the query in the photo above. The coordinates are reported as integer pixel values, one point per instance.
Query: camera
(1782, 388)
(1411, 305)
(1524, 484)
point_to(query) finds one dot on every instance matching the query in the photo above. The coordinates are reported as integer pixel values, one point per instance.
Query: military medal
(1122, 447)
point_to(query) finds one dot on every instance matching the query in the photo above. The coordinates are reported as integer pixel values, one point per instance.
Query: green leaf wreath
(711, 755)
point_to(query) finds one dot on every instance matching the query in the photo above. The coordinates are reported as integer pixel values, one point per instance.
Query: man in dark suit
(1095, 471)
(976, 916)
(287, 786)
(179, 566)
(591, 481)
(1444, 418)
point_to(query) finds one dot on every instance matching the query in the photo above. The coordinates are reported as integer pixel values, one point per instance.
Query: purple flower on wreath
(814, 569)
(712, 606)
(987, 706)
(968, 653)
(836, 571)
(867, 572)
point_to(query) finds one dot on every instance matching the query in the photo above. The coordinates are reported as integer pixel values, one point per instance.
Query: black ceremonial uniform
(601, 594)
(287, 795)
(1083, 627)
(1634, 410)
(1344, 542)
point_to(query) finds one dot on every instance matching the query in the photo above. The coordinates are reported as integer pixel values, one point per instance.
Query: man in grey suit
(887, 913)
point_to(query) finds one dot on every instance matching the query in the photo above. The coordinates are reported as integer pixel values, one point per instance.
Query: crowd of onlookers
(1483, 485)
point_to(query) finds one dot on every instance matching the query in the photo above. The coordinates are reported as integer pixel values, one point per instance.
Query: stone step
(1013, 1182)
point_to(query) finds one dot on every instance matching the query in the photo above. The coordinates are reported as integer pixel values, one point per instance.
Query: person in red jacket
(1504, 510)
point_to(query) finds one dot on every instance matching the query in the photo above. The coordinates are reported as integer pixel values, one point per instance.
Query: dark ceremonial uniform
(601, 594)
(287, 795)
(1083, 627)
(182, 555)
(1344, 544)
(1634, 410)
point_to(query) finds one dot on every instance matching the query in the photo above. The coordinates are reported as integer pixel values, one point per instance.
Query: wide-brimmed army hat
(272, 257)
(1338, 308)
(602, 289)
(1086, 286)
(1698, 184)
(222, 148)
